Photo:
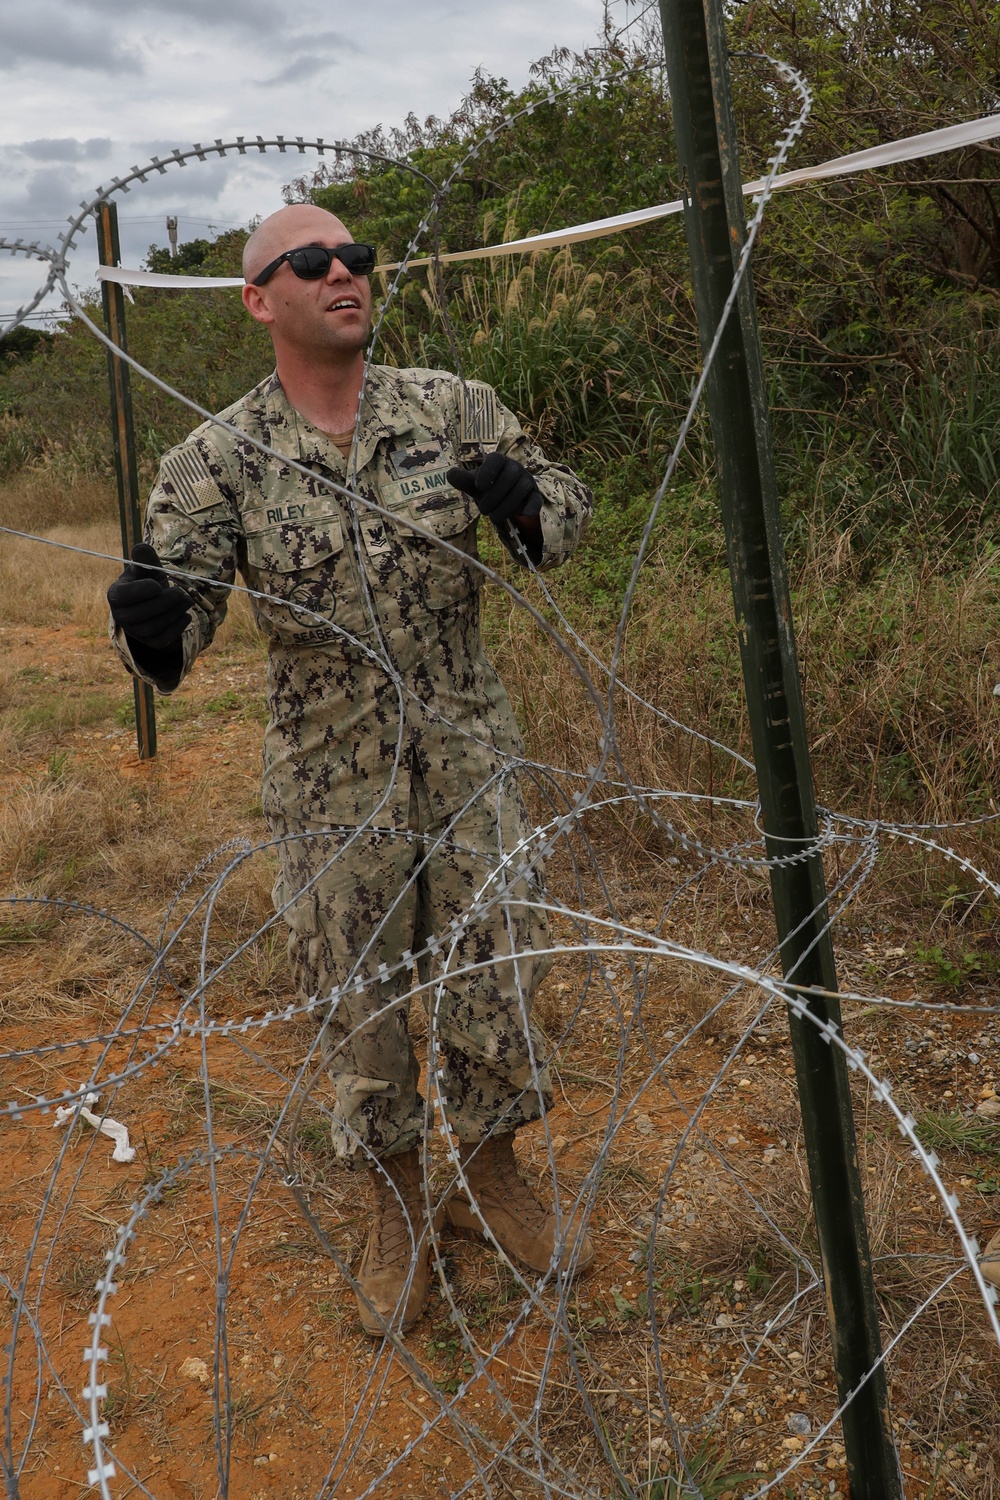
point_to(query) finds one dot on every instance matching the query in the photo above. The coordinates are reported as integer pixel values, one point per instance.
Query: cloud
(298, 71)
(309, 54)
(67, 148)
(102, 35)
(54, 35)
(245, 15)
(48, 193)
(197, 187)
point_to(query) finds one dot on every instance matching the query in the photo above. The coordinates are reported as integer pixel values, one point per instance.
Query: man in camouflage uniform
(387, 756)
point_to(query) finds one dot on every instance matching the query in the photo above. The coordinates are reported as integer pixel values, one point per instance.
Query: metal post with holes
(124, 445)
(697, 68)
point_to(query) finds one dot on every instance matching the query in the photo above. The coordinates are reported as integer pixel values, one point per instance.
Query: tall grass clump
(571, 344)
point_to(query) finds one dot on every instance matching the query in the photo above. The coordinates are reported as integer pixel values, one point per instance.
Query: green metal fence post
(697, 67)
(124, 446)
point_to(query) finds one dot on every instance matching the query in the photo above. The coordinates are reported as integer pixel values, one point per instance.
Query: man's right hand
(148, 608)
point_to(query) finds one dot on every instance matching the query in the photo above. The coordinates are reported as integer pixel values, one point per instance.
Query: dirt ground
(716, 1237)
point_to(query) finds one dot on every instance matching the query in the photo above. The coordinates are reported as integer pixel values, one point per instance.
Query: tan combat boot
(522, 1226)
(989, 1261)
(394, 1274)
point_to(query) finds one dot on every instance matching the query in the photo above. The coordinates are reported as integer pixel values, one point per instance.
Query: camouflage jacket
(372, 628)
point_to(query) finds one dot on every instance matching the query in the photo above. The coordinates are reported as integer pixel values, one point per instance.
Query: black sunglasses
(310, 262)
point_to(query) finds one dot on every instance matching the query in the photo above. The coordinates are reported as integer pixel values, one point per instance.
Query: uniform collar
(293, 436)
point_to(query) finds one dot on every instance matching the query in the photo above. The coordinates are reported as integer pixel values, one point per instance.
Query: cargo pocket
(301, 561)
(300, 913)
(445, 577)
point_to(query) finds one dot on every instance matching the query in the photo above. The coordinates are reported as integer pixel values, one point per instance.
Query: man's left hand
(503, 489)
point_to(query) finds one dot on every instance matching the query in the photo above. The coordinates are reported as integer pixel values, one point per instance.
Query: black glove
(501, 487)
(148, 608)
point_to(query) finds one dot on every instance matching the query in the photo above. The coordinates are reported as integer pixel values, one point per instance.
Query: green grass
(705, 1475)
(226, 703)
(29, 929)
(947, 1130)
(54, 714)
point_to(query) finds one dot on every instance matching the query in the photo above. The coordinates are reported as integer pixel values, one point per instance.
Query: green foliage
(707, 1477)
(592, 155)
(22, 342)
(190, 259)
(574, 350)
(877, 293)
(951, 970)
(758, 1273)
(56, 405)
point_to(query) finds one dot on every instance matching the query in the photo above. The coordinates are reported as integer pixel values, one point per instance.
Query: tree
(189, 260)
(22, 343)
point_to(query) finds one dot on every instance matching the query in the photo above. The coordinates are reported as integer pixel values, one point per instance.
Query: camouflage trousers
(359, 904)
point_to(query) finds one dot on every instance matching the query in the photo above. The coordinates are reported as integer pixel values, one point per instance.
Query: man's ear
(256, 304)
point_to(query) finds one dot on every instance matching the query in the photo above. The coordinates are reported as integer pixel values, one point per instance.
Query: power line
(125, 219)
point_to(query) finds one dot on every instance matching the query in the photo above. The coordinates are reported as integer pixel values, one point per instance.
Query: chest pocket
(295, 551)
(427, 498)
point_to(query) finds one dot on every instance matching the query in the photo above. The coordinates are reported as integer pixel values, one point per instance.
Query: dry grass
(41, 498)
(80, 819)
(898, 674)
(47, 587)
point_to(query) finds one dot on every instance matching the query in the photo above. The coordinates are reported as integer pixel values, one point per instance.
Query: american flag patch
(480, 415)
(189, 478)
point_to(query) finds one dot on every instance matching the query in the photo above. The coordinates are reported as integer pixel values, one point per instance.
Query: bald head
(298, 224)
(319, 324)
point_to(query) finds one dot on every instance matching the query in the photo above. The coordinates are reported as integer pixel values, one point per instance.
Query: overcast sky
(90, 87)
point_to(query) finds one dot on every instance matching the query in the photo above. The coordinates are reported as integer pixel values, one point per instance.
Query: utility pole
(123, 437)
(698, 72)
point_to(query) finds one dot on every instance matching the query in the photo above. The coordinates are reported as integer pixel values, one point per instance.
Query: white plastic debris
(112, 1128)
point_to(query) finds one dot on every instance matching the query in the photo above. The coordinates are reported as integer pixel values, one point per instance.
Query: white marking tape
(112, 1128)
(910, 148)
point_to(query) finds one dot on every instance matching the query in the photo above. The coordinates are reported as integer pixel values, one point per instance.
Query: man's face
(330, 316)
